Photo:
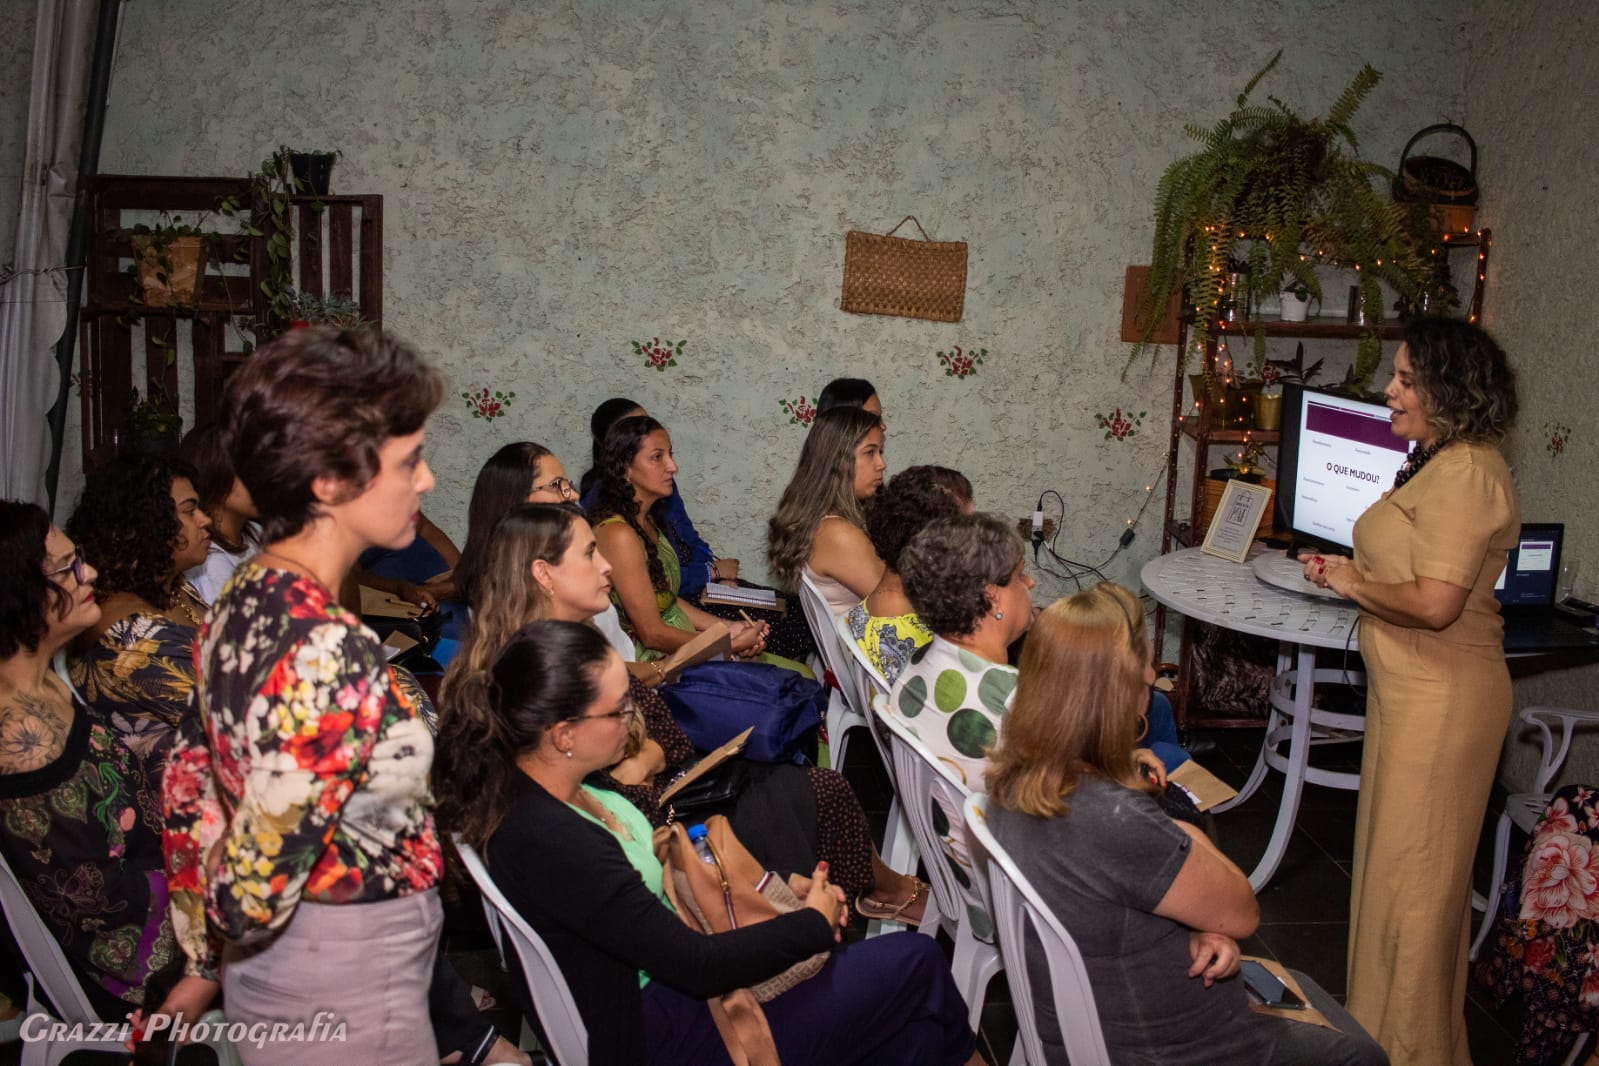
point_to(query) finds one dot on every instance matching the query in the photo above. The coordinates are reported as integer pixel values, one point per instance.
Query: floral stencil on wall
(800, 412)
(488, 405)
(1559, 435)
(961, 364)
(659, 354)
(1119, 426)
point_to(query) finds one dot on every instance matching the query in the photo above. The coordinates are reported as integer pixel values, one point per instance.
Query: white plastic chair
(1524, 808)
(843, 708)
(960, 911)
(566, 1035)
(1015, 906)
(899, 844)
(50, 973)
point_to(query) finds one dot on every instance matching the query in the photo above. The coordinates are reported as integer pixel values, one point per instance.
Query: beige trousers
(1436, 718)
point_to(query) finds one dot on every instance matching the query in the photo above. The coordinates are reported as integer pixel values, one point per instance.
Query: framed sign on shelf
(1237, 518)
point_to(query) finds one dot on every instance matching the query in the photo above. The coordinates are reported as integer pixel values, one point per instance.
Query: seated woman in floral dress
(140, 520)
(80, 823)
(884, 624)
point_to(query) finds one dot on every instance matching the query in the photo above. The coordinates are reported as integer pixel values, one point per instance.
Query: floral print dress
(1546, 948)
(139, 677)
(310, 772)
(82, 835)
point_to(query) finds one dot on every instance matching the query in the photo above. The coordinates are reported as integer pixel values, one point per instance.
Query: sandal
(877, 910)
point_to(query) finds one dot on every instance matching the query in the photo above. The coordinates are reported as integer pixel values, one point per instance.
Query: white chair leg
(899, 843)
(1497, 885)
(974, 965)
(1018, 1051)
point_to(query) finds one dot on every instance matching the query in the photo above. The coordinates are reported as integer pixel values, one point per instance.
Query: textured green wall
(1532, 100)
(563, 179)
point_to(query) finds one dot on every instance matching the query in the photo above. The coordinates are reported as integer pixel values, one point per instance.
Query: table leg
(1257, 774)
(1293, 773)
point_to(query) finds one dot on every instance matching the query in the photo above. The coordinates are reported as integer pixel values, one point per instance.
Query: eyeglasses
(626, 713)
(560, 486)
(76, 566)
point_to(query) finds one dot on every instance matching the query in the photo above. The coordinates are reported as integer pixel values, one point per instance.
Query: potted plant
(1275, 374)
(1245, 466)
(1296, 296)
(168, 260)
(308, 310)
(313, 171)
(267, 215)
(1279, 192)
(153, 421)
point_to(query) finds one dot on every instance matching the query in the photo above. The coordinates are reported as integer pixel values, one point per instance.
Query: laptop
(1526, 594)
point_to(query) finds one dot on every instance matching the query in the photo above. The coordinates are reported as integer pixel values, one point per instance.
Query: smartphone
(1267, 988)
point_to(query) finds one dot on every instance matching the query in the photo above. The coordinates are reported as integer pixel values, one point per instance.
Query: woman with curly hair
(80, 822)
(788, 634)
(140, 520)
(1427, 556)
(819, 529)
(884, 624)
(789, 817)
(636, 474)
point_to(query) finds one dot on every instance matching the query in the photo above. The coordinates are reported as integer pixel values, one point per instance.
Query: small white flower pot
(1294, 309)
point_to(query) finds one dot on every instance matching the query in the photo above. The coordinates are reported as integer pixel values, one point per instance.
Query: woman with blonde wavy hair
(819, 529)
(1155, 908)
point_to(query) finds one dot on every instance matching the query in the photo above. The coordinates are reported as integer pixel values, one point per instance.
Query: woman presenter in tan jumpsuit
(1427, 556)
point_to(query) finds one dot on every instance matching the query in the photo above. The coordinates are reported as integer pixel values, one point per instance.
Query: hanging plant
(488, 405)
(1275, 193)
(800, 412)
(961, 364)
(658, 355)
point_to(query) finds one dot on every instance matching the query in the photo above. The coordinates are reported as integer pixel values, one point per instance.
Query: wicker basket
(889, 275)
(1214, 487)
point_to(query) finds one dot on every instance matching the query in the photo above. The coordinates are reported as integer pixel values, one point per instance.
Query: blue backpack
(716, 701)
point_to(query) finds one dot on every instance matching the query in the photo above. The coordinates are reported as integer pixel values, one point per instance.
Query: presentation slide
(1348, 456)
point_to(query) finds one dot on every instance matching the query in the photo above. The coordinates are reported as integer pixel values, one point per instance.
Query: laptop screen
(1532, 567)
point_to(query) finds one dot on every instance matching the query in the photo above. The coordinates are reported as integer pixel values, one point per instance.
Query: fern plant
(1280, 192)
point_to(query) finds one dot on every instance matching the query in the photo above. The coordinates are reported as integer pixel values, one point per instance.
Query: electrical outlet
(1024, 529)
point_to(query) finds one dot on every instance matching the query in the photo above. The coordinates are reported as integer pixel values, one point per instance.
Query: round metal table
(1210, 589)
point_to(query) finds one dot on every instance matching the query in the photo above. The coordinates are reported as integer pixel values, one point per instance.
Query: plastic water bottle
(702, 847)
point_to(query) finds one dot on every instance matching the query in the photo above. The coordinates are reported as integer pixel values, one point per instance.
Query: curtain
(33, 304)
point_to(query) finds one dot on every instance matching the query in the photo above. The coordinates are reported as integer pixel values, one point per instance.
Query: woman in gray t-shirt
(1155, 908)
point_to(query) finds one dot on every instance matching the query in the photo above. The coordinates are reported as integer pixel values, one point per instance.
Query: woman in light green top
(636, 471)
(884, 624)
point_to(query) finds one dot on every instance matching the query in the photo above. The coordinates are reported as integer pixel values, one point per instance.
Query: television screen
(1337, 457)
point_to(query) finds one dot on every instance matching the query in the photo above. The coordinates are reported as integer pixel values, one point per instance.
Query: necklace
(598, 810)
(185, 601)
(1415, 461)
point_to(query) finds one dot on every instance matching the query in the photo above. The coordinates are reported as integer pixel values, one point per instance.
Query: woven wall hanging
(889, 275)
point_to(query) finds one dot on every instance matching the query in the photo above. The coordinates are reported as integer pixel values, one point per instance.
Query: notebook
(1526, 593)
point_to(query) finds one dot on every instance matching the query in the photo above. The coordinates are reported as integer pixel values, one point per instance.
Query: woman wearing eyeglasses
(79, 820)
(577, 863)
(550, 567)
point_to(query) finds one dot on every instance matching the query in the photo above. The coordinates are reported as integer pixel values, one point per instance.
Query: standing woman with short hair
(1427, 556)
(324, 882)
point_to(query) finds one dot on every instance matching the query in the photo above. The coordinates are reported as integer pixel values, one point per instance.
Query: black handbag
(714, 792)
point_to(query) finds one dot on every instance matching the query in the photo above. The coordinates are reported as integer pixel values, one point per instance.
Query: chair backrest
(1553, 755)
(819, 616)
(873, 689)
(1016, 906)
(45, 959)
(567, 1036)
(929, 794)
